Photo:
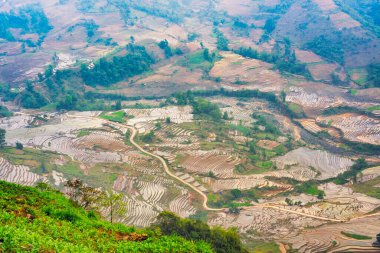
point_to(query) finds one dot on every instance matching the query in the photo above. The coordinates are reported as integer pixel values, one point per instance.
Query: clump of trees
(285, 61)
(19, 146)
(148, 138)
(164, 45)
(268, 123)
(222, 42)
(30, 98)
(30, 19)
(223, 241)
(4, 112)
(90, 26)
(359, 165)
(169, 52)
(206, 109)
(201, 108)
(109, 71)
(2, 138)
(327, 47)
(374, 75)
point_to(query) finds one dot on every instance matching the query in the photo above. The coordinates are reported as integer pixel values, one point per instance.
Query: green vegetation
(118, 116)
(360, 75)
(205, 109)
(270, 25)
(356, 236)
(359, 165)
(328, 48)
(280, 8)
(30, 19)
(7, 92)
(285, 61)
(296, 109)
(164, 45)
(276, 102)
(19, 146)
(232, 198)
(106, 72)
(369, 188)
(148, 138)
(168, 14)
(353, 92)
(309, 188)
(222, 42)
(222, 241)
(374, 75)
(348, 109)
(83, 132)
(374, 108)
(30, 98)
(265, 247)
(199, 59)
(4, 112)
(2, 138)
(33, 220)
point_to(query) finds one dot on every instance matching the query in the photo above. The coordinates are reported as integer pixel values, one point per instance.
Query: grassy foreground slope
(43, 220)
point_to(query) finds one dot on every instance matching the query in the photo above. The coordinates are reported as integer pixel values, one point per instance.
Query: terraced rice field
(329, 237)
(233, 69)
(176, 114)
(327, 164)
(222, 165)
(359, 128)
(18, 174)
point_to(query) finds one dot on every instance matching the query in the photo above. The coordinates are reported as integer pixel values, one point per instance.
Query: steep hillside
(43, 220)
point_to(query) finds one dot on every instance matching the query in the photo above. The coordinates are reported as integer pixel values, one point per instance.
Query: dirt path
(167, 170)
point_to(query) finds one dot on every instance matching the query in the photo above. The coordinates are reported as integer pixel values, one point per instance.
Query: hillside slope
(33, 220)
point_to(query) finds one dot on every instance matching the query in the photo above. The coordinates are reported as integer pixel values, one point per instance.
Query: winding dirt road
(167, 170)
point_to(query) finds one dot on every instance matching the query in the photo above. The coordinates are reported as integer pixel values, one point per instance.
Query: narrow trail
(167, 170)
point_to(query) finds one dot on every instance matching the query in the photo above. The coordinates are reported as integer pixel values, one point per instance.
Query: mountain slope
(32, 220)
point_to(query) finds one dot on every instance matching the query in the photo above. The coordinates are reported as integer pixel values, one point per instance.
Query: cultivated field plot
(272, 223)
(355, 127)
(315, 97)
(307, 56)
(328, 237)
(328, 165)
(245, 73)
(322, 71)
(144, 119)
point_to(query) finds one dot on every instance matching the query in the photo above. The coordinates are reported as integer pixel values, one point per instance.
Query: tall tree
(2, 137)
(115, 204)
